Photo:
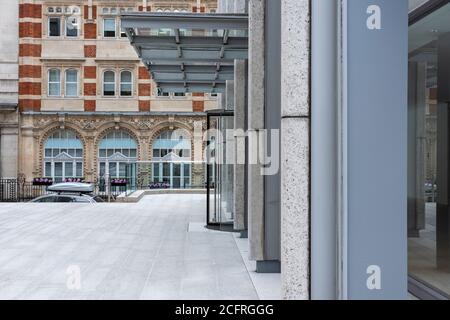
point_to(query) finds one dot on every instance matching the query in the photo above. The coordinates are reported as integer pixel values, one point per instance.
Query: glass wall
(220, 170)
(428, 150)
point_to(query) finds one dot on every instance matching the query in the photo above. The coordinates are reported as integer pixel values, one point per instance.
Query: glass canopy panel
(180, 40)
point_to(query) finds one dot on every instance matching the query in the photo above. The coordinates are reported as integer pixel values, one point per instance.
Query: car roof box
(72, 187)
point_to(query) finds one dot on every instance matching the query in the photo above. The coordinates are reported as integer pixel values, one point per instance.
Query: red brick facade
(37, 55)
(29, 105)
(144, 74)
(89, 105)
(30, 50)
(198, 106)
(30, 30)
(90, 89)
(30, 88)
(29, 10)
(90, 51)
(90, 72)
(30, 71)
(144, 106)
(145, 90)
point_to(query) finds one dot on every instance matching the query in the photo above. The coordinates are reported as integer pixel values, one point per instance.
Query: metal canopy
(188, 52)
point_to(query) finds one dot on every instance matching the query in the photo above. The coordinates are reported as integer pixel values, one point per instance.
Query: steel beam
(191, 87)
(146, 20)
(206, 77)
(189, 41)
(205, 69)
(189, 54)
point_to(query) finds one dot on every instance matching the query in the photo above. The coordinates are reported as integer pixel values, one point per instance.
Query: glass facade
(428, 149)
(116, 150)
(172, 160)
(63, 156)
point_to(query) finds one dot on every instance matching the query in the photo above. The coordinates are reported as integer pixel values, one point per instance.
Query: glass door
(220, 175)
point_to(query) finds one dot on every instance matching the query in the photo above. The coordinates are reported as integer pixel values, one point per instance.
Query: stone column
(295, 149)
(240, 126)
(90, 156)
(198, 168)
(256, 103)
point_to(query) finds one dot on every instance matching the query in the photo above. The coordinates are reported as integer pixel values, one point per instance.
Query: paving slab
(154, 249)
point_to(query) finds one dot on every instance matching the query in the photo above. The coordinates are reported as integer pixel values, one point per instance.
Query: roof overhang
(188, 52)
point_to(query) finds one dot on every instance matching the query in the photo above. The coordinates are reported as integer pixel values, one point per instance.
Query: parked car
(70, 192)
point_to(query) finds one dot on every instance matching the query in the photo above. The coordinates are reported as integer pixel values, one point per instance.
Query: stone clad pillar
(295, 149)
(90, 156)
(198, 167)
(240, 126)
(256, 104)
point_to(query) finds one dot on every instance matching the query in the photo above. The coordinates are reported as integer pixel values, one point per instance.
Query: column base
(273, 266)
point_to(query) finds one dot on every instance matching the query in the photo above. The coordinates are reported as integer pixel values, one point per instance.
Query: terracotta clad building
(87, 104)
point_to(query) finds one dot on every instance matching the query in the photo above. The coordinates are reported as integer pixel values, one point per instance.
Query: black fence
(14, 190)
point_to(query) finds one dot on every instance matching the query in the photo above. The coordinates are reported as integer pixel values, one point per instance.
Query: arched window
(71, 83)
(109, 83)
(116, 150)
(172, 159)
(54, 83)
(63, 156)
(126, 83)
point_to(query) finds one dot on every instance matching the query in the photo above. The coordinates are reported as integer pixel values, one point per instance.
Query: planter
(42, 182)
(77, 180)
(159, 185)
(119, 183)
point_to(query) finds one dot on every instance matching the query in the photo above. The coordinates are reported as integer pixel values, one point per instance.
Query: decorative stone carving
(91, 128)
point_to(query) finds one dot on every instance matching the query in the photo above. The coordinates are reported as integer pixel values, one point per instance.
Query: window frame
(55, 16)
(104, 83)
(130, 83)
(77, 83)
(49, 83)
(113, 18)
(66, 17)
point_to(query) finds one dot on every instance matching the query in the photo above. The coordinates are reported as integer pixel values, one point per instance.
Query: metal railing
(14, 190)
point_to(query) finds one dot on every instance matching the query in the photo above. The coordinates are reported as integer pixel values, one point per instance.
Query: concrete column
(295, 148)
(228, 167)
(256, 93)
(240, 125)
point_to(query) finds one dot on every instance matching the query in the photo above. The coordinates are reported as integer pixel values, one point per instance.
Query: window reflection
(428, 149)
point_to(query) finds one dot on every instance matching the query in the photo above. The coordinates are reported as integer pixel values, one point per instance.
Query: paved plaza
(155, 249)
